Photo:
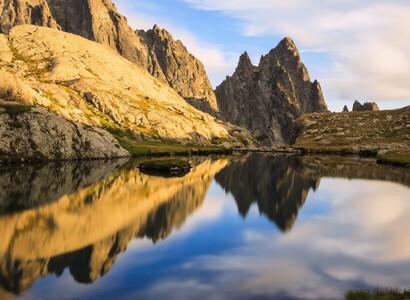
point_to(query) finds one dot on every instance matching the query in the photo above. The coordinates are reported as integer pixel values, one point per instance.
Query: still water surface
(246, 227)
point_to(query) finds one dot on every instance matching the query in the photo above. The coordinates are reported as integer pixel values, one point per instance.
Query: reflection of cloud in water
(325, 254)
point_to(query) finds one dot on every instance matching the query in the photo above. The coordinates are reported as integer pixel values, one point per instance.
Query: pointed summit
(245, 63)
(266, 99)
(287, 42)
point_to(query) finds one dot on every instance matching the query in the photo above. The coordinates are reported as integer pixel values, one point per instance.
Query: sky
(357, 49)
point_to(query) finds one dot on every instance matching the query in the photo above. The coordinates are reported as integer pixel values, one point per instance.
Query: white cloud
(368, 40)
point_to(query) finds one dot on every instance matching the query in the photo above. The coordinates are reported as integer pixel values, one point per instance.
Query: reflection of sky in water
(348, 234)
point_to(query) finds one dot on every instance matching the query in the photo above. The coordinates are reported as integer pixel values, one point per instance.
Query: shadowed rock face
(99, 20)
(276, 184)
(268, 98)
(71, 231)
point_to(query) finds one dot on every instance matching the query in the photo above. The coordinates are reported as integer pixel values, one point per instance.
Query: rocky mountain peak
(170, 61)
(99, 20)
(287, 44)
(268, 98)
(245, 63)
(160, 32)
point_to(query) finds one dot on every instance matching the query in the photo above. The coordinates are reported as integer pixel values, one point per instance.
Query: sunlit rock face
(277, 185)
(72, 232)
(267, 99)
(98, 20)
(87, 90)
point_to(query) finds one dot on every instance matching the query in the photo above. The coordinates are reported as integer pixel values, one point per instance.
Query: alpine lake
(255, 226)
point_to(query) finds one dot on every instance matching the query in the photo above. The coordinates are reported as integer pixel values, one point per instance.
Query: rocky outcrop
(171, 62)
(268, 98)
(345, 109)
(367, 106)
(359, 132)
(38, 134)
(84, 82)
(99, 20)
(36, 12)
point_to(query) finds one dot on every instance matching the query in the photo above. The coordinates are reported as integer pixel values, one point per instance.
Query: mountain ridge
(99, 21)
(86, 83)
(266, 99)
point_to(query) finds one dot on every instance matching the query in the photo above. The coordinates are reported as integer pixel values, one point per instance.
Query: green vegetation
(15, 109)
(379, 294)
(398, 158)
(358, 133)
(146, 148)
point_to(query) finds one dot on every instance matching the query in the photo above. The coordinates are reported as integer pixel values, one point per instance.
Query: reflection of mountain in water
(86, 230)
(81, 217)
(28, 186)
(276, 184)
(353, 168)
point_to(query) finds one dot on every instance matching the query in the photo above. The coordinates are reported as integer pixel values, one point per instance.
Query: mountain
(266, 99)
(99, 20)
(170, 61)
(80, 90)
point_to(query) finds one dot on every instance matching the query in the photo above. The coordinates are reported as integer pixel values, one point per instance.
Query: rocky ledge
(385, 134)
(33, 133)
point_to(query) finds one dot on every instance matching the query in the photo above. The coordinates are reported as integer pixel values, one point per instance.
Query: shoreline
(393, 157)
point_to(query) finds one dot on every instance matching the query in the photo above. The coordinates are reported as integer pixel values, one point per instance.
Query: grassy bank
(145, 148)
(379, 294)
(384, 135)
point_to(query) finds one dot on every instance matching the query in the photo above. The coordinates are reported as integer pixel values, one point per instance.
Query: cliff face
(171, 62)
(268, 98)
(83, 82)
(99, 20)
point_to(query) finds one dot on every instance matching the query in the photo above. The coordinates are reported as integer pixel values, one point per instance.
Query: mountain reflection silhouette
(276, 184)
(80, 217)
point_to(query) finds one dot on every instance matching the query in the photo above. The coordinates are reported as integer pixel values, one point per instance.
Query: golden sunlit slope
(88, 83)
